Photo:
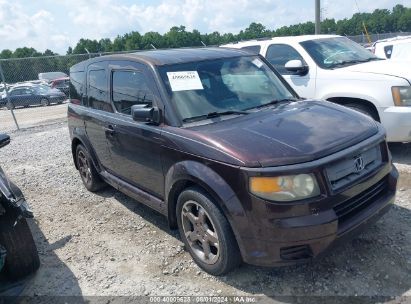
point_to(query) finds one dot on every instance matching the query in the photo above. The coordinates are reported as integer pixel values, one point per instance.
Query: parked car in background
(336, 69)
(25, 96)
(50, 76)
(392, 48)
(18, 252)
(216, 140)
(62, 84)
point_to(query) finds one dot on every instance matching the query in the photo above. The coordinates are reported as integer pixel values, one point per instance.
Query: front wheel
(206, 232)
(364, 109)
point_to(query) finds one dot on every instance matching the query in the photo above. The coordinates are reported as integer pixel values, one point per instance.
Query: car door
(135, 146)
(98, 120)
(31, 97)
(278, 55)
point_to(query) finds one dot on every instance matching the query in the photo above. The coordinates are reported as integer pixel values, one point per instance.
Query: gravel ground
(108, 244)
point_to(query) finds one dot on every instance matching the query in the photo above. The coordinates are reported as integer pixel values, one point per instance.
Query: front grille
(347, 170)
(293, 253)
(356, 204)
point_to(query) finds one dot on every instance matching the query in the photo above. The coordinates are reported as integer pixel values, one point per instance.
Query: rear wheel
(44, 102)
(88, 173)
(22, 258)
(364, 109)
(10, 106)
(206, 232)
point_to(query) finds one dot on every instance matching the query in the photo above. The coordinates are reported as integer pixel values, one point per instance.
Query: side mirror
(4, 140)
(145, 113)
(297, 67)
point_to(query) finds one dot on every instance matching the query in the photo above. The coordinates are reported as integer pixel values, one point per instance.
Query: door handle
(109, 130)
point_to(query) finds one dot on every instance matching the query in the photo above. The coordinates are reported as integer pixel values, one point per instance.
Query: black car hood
(287, 134)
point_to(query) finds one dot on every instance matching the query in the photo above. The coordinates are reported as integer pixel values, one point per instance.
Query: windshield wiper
(273, 102)
(345, 62)
(213, 115)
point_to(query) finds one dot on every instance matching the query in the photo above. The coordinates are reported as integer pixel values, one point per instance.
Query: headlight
(401, 96)
(285, 188)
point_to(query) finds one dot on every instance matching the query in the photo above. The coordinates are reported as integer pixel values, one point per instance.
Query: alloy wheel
(84, 167)
(200, 232)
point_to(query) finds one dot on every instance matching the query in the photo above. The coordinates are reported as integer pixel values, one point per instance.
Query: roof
(171, 56)
(282, 38)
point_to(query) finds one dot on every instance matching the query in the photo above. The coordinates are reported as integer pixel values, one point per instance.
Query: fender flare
(186, 173)
(81, 138)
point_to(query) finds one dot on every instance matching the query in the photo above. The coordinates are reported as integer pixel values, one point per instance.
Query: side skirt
(135, 192)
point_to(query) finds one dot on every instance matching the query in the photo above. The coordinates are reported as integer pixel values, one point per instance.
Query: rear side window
(254, 49)
(76, 87)
(97, 91)
(279, 54)
(130, 88)
(16, 92)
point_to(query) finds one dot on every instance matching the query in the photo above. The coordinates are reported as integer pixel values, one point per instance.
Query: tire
(215, 229)
(363, 109)
(10, 106)
(44, 102)
(22, 257)
(88, 173)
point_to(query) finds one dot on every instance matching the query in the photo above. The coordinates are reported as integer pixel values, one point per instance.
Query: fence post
(8, 97)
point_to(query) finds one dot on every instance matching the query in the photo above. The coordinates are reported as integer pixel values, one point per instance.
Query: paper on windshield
(257, 62)
(184, 81)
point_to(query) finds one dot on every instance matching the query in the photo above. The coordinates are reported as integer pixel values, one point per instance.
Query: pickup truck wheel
(206, 232)
(88, 173)
(22, 257)
(363, 109)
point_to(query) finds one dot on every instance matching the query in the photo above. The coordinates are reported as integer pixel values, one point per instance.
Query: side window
(253, 49)
(15, 93)
(130, 88)
(76, 87)
(97, 91)
(279, 54)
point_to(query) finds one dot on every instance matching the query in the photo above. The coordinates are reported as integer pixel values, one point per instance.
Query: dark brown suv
(217, 141)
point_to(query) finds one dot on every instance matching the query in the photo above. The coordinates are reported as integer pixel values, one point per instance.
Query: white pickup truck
(336, 69)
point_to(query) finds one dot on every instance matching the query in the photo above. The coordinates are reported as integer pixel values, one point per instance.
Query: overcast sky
(58, 24)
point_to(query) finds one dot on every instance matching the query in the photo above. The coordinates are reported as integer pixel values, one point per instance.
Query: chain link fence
(34, 91)
(363, 40)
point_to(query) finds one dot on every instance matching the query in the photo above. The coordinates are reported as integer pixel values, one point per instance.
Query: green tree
(5, 54)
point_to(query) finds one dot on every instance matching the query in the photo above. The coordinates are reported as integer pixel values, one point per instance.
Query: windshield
(332, 53)
(223, 85)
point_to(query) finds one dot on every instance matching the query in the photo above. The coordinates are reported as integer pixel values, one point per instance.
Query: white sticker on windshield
(257, 62)
(184, 81)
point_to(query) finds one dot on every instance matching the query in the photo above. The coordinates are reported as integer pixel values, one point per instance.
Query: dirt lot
(108, 244)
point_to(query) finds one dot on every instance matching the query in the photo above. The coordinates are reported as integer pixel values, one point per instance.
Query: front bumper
(292, 240)
(397, 122)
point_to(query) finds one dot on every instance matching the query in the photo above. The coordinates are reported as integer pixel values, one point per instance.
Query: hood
(394, 68)
(288, 134)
